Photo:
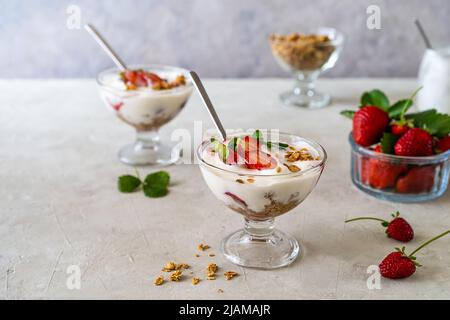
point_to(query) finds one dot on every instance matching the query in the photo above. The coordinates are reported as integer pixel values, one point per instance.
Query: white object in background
(434, 77)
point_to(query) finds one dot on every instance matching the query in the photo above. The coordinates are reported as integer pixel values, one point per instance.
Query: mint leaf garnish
(156, 184)
(348, 113)
(376, 98)
(258, 135)
(388, 142)
(437, 124)
(128, 183)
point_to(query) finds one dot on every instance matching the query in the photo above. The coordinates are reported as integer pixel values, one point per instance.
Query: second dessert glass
(306, 57)
(259, 244)
(146, 110)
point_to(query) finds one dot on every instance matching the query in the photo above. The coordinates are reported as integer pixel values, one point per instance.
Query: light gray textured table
(59, 205)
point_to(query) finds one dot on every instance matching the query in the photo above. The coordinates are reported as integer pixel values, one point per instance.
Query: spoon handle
(212, 112)
(105, 46)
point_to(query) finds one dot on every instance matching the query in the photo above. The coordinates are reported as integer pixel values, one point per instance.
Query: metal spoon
(423, 34)
(207, 102)
(105, 46)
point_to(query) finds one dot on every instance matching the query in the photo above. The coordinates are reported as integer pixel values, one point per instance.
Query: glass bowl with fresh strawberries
(396, 155)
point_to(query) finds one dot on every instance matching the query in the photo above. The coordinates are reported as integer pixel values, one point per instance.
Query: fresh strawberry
(414, 143)
(443, 144)
(378, 149)
(254, 158)
(141, 79)
(416, 180)
(383, 174)
(398, 228)
(398, 264)
(369, 124)
(399, 129)
(130, 76)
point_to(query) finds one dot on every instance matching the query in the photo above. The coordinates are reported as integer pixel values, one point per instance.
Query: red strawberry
(399, 129)
(398, 228)
(397, 265)
(414, 143)
(444, 144)
(417, 180)
(369, 124)
(383, 174)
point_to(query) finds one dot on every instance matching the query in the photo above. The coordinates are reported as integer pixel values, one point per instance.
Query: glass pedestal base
(312, 101)
(252, 248)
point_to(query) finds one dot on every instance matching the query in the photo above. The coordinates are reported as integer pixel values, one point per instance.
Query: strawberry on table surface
(369, 123)
(417, 180)
(414, 143)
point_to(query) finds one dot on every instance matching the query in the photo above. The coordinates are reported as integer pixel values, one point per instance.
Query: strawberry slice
(383, 174)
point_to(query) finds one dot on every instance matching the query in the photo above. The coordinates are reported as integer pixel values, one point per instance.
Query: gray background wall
(219, 38)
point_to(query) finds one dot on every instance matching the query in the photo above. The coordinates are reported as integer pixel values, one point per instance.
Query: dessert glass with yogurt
(261, 178)
(146, 97)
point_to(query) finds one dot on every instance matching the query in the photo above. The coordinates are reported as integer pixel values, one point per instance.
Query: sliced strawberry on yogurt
(153, 77)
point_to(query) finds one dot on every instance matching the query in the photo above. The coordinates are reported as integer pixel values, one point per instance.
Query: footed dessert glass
(306, 57)
(146, 110)
(260, 198)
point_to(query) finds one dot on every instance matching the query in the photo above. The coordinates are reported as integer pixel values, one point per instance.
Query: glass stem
(305, 83)
(148, 140)
(259, 230)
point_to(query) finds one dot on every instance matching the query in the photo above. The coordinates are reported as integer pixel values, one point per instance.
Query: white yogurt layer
(254, 186)
(144, 106)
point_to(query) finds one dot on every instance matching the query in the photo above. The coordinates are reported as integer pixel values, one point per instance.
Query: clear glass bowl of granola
(146, 97)
(306, 56)
(261, 179)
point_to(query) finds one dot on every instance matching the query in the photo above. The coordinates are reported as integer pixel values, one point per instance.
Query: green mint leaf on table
(128, 183)
(156, 184)
(388, 142)
(398, 109)
(375, 98)
(348, 113)
(258, 135)
(437, 124)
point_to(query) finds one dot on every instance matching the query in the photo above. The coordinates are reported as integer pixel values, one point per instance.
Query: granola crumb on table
(159, 281)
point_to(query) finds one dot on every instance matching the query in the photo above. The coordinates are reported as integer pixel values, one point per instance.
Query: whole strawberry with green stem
(398, 228)
(399, 264)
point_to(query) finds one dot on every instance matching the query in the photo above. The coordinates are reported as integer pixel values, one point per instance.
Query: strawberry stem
(428, 242)
(366, 218)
